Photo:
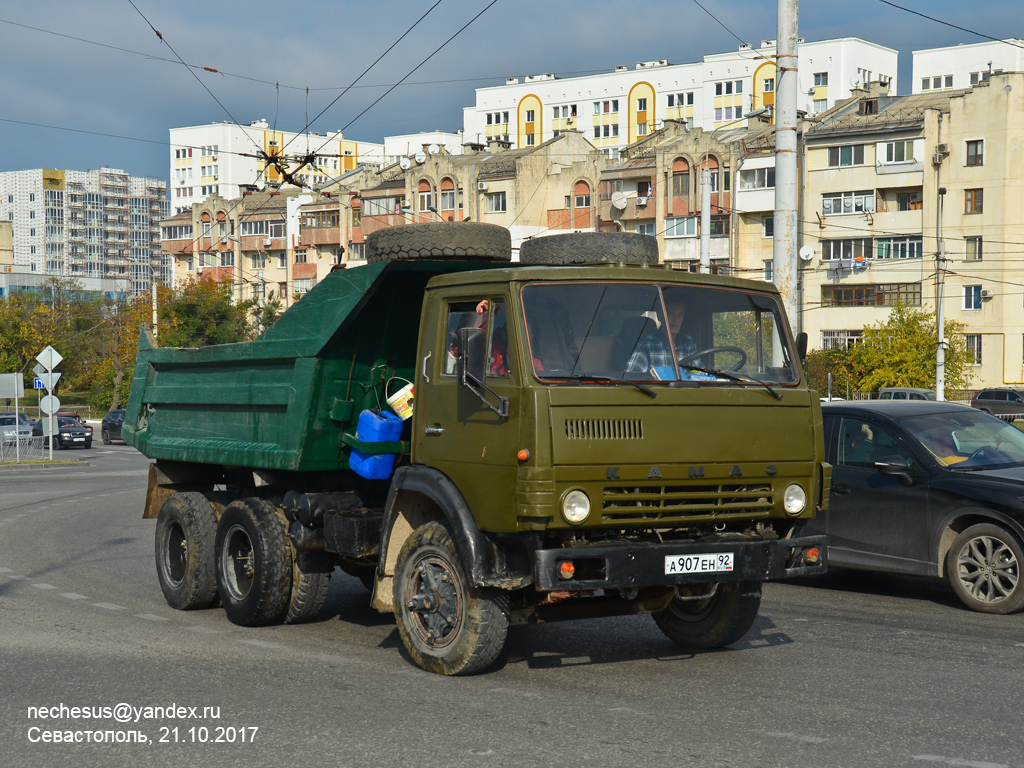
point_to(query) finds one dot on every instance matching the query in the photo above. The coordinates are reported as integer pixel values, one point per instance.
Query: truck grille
(604, 429)
(666, 504)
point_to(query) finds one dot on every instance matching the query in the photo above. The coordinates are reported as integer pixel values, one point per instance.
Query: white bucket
(400, 401)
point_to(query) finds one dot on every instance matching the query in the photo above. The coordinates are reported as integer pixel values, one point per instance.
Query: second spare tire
(440, 240)
(590, 248)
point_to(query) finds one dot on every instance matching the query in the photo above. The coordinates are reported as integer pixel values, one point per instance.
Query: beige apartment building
(903, 193)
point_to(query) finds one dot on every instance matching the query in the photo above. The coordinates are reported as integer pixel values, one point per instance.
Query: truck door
(456, 431)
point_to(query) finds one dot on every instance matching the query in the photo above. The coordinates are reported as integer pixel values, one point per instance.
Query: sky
(85, 85)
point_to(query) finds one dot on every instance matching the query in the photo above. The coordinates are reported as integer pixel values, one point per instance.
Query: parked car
(70, 432)
(931, 489)
(905, 393)
(1000, 401)
(12, 428)
(110, 428)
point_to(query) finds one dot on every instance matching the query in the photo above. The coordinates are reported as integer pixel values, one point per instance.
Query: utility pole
(784, 266)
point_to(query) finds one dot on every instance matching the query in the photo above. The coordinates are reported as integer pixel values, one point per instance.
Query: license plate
(707, 562)
(79, 439)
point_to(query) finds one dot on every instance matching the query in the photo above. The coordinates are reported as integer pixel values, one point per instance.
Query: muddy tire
(719, 620)
(311, 575)
(448, 626)
(440, 240)
(253, 563)
(590, 248)
(185, 532)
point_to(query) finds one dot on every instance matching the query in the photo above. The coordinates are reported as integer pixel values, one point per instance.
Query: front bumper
(635, 565)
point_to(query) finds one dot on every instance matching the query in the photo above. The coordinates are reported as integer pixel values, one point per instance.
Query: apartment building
(892, 182)
(223, 158)
(617, 108)
(955, 67)
(101, 224)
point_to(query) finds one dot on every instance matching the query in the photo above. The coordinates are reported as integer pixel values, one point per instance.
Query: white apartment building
(87, 224)
(427, 142)
(961, 66)
(218, 158)
(617, 108)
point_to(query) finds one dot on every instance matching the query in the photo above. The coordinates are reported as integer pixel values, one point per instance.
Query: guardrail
(26, 449)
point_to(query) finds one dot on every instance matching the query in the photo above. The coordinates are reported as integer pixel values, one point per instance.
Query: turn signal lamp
(812, 555)
(523, 455)
(566, 570)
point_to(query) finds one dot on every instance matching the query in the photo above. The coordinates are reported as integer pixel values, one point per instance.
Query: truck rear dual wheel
(448, 626)
(185, 531)
(311, 575)
(440, 240)
(590, 248)
(253, 563)
(712, 622)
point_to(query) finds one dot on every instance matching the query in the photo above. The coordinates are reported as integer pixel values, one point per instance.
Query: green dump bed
(285, 400)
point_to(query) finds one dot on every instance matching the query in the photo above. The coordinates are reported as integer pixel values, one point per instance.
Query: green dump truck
(580, 440)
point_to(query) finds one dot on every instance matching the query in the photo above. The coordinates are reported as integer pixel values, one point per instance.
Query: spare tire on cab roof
(440, 240)
(590, 248)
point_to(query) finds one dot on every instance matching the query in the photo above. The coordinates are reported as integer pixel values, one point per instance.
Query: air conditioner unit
(942, 149)
(267, 241)
(987, 294)
(937, 158)
(641, 202)
(481, 186)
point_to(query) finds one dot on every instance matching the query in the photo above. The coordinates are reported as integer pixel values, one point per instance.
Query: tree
(263, 314)
(201, 312)
(901, 352)
(837, 361)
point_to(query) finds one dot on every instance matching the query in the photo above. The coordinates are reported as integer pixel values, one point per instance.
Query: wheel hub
(435, 603)
(988, 569)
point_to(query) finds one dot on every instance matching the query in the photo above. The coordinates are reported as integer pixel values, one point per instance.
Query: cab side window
(488, 314)
(461, 314)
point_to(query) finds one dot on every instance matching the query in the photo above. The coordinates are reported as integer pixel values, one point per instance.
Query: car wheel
(448, 626)
(722, 618)
(253, 563)
(106, 437)
(185, 531)
(88, 443)
(984, 569)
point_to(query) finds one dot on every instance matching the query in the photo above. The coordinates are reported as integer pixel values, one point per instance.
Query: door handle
(841, 489)
(433, 431)
(425, 359)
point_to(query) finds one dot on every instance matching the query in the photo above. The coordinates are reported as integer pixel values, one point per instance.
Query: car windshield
(655, 333)
(7, 421)
(66, 422)
(969, 440)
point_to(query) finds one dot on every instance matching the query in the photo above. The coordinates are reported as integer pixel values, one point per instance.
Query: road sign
(38, 369)
(12, 385)
(50, 358)
(49, 404)
(46, 422)
(49, 380)
(37, 383)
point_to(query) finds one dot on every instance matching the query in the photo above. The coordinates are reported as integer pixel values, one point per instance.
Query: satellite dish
(433, 149)
(421, 157)
(619, 199)
(405, 163)
(260, 183)
(806, 253)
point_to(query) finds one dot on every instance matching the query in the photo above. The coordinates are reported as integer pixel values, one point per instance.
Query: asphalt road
(850, 671)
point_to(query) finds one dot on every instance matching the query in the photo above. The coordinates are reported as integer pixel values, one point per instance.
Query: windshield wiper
(735, 377)
(581, 377)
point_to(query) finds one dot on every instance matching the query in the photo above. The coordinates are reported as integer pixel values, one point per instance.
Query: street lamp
(705, 191)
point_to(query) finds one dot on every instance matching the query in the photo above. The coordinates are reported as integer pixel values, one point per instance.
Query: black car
(931, 489)
(69, 432)
(110, 429)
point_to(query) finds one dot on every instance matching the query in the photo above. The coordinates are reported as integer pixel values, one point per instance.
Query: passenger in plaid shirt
(653, 349)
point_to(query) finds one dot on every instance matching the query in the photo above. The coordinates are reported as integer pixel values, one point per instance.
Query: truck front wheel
(185, 531)
(722, 618)
(253, 563)
(448, 626)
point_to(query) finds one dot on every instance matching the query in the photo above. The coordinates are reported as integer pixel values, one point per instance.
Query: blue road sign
(37, 384)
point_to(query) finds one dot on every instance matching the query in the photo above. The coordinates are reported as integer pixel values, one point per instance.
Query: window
(973, 343)
(739, 86)
(820, 105)
(529, 116)
(718, 114)
(848, 202)
(597, 107)
(768, 270)
(641, 105)
(496, 202)
(976, 152)
(973, 200)
(908, 201)
(972, 297)
(718, 89)
(643, 189)
(681, 183)
(861, 444)
(615, 105)
(972, 249)
(891, 294)
(582, 201)
(848, 296)
(597, 131)
(448, 200)
(899, 151)
(227, 259)
(948, 81)
(856, 248)
(840, 339)
(282, 260)
(769, 85)
(820, 78)
(530, 139)
(907, 247)
(641, 129)
(720, 225)
(300, 255)
(645, 228)
(426, 200)
(681, 226)
(851, 154)
(769, 226)
(757, 178)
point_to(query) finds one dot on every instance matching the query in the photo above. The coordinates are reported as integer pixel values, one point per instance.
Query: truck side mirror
(471, 369)
(801, 346)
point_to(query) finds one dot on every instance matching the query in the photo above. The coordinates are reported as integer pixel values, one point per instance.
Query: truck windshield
(655, 332)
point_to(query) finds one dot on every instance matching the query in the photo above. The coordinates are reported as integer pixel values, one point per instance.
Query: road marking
(18, 577)
(6, 570)
(43, 586)
(151, 617)
(265, 644)
(110, 606)
(959, 761)
(205, 630)
(73, 596)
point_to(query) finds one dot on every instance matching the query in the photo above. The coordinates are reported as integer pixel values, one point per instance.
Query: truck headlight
(794, 500)
(575, 507)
